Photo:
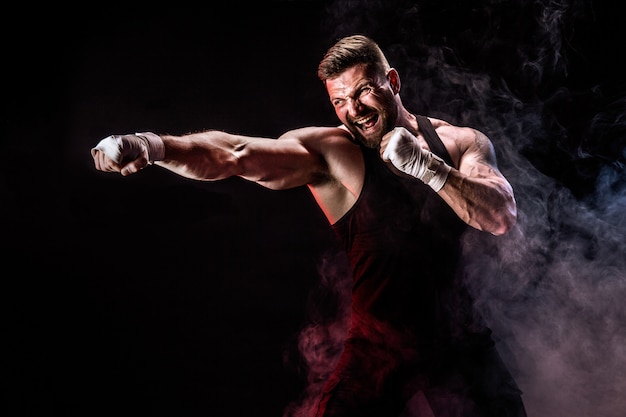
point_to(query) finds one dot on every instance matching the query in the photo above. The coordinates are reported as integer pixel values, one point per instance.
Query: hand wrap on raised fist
(125, 148)
(405, 153)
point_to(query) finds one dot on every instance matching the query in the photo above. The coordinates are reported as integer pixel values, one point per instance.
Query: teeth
(364, 120)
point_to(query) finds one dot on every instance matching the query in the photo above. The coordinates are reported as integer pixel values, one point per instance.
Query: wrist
(154, 145)
(435, 171)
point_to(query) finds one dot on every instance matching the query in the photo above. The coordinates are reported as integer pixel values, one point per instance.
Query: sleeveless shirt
(403, 244)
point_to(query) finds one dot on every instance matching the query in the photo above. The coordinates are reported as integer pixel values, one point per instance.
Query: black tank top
(403, 243)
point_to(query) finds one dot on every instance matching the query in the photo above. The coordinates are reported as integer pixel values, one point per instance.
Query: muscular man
(399, 190)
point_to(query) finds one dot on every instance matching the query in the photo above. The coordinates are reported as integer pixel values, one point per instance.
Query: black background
(153, 295)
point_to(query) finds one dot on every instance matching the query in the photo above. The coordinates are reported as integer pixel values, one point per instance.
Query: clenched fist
(127, 154)
(403, 150)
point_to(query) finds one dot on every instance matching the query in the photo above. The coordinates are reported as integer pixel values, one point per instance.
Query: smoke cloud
(553, 288)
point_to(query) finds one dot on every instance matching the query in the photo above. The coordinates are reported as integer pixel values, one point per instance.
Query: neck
(407, 120)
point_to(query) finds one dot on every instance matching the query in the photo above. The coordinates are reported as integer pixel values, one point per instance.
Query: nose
(353, 106)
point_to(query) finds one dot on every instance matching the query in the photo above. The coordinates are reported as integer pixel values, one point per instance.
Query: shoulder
(311, 135)
(322, 140)
(333, 145)
(462, 140)
(460, 134)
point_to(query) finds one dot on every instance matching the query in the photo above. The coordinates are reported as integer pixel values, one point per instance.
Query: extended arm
(213, 155)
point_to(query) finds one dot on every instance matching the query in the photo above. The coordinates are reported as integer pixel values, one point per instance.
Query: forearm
(210, 155)
(486, 204)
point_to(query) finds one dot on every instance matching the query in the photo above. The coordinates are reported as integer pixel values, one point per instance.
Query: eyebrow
(360, 86)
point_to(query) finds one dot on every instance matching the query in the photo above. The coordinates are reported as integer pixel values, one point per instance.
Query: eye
(338, 102)
(365, 91)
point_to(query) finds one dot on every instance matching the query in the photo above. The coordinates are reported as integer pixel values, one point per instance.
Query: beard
(369, 141)
(372, 137)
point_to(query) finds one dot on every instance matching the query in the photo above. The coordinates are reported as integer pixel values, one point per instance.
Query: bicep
(278, 163)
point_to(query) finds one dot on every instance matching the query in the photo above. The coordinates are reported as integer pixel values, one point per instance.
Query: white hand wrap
(122, 148)
(406, 154)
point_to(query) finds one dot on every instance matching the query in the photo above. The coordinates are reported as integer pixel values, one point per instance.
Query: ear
(394, 80)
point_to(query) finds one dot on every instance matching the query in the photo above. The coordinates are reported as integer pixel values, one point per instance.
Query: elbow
(505, 219)
(504, 224)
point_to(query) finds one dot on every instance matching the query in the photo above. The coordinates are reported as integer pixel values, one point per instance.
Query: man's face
(364, 102)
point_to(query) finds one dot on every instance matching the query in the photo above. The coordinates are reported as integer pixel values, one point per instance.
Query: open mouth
(367, 123)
